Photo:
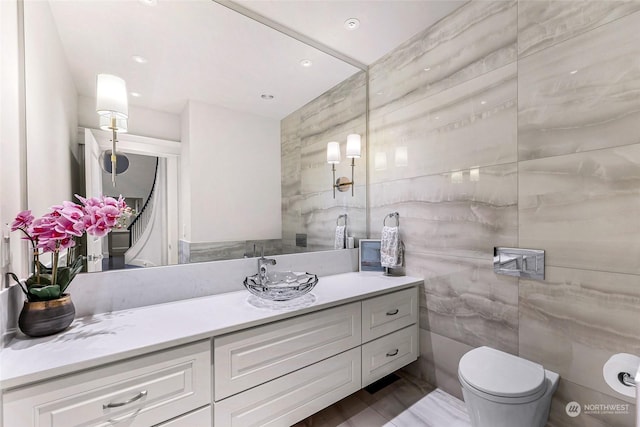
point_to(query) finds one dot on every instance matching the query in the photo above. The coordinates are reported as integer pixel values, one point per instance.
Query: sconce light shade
(353, 146)
(111, 96)
(121, 124)
(333, 153)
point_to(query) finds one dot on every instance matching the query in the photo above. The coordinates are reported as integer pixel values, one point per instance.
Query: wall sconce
(113, 107)
(354, 144)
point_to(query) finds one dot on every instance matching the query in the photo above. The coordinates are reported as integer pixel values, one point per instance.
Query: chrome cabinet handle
(392, 353)
(138, 396)
(392, 312)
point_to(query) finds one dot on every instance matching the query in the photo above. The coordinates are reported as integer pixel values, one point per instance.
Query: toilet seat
(501, 377)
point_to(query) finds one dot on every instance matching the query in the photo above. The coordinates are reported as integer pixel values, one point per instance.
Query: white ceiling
(384, 24)
(200, 50)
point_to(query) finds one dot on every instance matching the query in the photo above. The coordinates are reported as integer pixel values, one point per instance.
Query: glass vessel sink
(281, 285)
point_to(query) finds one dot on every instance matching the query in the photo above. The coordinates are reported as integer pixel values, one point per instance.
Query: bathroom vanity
(215, 360)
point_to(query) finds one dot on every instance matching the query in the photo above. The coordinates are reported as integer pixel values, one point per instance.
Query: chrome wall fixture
(518, 262)
(354, 144)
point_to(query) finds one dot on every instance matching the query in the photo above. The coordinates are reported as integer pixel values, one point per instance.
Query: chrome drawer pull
(392, 312)
(392, 353)
(138, 396)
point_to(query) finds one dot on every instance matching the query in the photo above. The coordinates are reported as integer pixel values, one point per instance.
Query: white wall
(13, 256)
(142, 121)
(184, 195)
(233, 164)
(51, 112)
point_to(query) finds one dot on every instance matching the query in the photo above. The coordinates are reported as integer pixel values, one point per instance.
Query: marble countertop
(95, 340)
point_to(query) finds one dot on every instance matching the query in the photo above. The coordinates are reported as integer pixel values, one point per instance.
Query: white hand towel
(391, 248)
(340, 237)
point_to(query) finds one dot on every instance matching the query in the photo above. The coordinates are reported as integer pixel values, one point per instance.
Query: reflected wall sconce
(354, 146)
(113, 107)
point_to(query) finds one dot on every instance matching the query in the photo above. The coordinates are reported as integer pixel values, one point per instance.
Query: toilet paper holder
(627, 379)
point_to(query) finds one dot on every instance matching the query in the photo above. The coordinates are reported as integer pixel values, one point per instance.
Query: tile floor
(408, 402)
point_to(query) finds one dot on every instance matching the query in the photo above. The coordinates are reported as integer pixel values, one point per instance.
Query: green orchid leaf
(45, 279)
(63, 279)
(45, 293)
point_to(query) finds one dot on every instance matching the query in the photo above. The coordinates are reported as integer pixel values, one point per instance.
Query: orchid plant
(56, 232)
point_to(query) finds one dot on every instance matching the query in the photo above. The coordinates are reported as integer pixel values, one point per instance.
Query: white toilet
(502, 390)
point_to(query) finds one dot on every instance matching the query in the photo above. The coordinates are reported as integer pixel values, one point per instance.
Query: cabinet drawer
(251, 357)
(139, 392)
(289, 399)
(200, 418)
(388, 313)
(389, 353)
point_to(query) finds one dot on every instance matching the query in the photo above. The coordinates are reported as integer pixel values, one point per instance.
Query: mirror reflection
(226, 135)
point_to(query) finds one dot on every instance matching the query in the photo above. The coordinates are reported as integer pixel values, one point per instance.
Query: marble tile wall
(579, 195)
(449, 95)
(521, 121)
(308, 205)
(217, 251)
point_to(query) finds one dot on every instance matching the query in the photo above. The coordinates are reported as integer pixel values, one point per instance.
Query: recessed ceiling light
(139, 59)
(427, 69)
(379, 93)
(483, 102)
(149, 2)
(573, 72)
(351, 24)
(135, 94)
(306, 63)
(266, 96)
(437, 118)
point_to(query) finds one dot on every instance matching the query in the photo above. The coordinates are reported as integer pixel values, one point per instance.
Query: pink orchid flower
(73, 228)
(110, 215)
(67, 243)
(23, 220)
(98, 228)
(72, 211)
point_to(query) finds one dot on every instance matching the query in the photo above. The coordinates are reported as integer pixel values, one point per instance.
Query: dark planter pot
(42, 318)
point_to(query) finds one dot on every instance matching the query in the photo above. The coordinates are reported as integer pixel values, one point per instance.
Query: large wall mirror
(227, 133)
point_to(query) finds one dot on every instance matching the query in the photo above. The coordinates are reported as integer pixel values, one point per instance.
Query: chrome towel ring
(395, 215)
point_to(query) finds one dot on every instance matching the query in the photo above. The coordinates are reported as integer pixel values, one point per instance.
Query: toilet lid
(501, 374)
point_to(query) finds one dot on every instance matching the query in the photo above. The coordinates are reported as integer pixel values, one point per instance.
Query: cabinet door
(140, 392)
(291, 398)
(389, 353)
(387, 313)
(200, 418)
(254, 356)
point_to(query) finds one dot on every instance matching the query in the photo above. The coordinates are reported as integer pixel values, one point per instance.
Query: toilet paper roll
(621, 362)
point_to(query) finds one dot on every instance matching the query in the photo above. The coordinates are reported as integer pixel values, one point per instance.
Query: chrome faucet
(262, 267)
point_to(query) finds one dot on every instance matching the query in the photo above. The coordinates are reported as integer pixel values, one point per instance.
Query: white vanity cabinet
(389, 333)
(260, 368)
(144, 391)
(254, 356)
(302, 365)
